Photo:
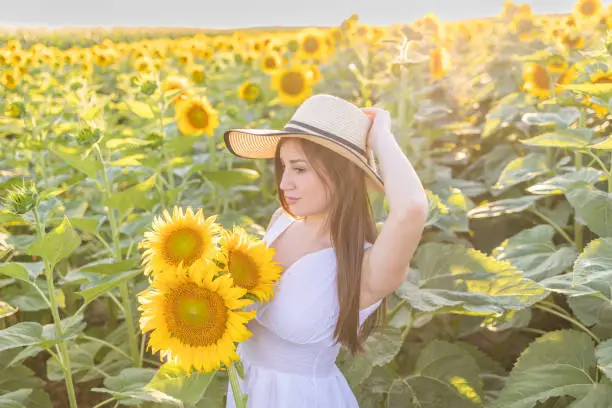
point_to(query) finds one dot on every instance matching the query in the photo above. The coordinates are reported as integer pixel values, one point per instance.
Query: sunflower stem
(212, 151)
(569, 319)
(240, 399)
(123, 287)
(64, 357)
(129, 321)
(162, 131)
(578, 231)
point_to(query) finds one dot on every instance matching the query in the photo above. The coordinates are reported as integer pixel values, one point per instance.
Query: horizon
(179, 14)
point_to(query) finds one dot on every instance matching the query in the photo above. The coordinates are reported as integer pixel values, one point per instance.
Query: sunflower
(431, 25)
(196, 72)
(173, 83)
(249, 262)
(249, 91)
(144, 65)
(599, 77)
(537, 81)
(293, 84)
(185, 58)
(9, 79)
(196, 116)
(439, 63)
(13, 45)
(314, 73)
(572, 40)
(180, 239)
(270, 62)
(587, 8)
(556, 64)
(524, 27)
(312, 45)
(194, 318)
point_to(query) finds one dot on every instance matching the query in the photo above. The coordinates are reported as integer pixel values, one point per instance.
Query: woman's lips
(291, 200)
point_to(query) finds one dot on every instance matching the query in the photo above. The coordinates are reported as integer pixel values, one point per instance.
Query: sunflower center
(252, 92)
(195, 315)
(588, 8)
(292, 83)
(270, 63)
(197, 117)
(311, 44)
(540, 78)
(183, 245)
(243, 270)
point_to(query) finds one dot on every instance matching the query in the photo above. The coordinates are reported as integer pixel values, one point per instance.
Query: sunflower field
(508, 302)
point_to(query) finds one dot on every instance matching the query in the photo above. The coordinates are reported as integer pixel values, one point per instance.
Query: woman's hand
(381, 126)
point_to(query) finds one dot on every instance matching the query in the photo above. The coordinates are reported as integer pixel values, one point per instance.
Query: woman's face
(301, 182)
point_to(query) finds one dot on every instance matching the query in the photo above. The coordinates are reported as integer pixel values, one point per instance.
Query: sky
(226, 14)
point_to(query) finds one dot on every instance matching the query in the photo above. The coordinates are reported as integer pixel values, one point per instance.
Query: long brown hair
(351, 224)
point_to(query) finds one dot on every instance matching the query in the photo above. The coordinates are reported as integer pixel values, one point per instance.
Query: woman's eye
(298, 170)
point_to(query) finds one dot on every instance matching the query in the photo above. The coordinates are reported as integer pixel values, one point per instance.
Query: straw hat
(324, 119)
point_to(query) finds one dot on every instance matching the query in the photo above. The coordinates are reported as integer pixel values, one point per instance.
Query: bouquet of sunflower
(202, 280)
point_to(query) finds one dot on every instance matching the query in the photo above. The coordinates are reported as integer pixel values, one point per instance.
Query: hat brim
(261, 144)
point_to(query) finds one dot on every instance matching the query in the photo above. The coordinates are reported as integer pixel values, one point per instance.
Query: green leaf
(140, 108)
(507, 206)
(436, 208)
(106, 284)
(21, 334)
(89, 225)
(603, 352)
(15, 399)
(546, 369)
(229, 178)
(87, 165)
(82, 357)
(129, 386)
(559, 184)
(15, 271)
(110, 266)
(56, 245)
(599, 397)
(601, 91)
(133, 197)
(39, 399)
(445, 375)
(455, 279)
(593, 206)
(603, 145)
(118, 144)
(521, 169)
(563, 118)
(381, 348)
(506, 111)
(133, 160)
(564, 138)
(453, 215)
(533, 252)
(172, 380)
(591, 274)
(16, 377)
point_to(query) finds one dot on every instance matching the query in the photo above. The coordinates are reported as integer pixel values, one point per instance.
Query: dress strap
(280, 224)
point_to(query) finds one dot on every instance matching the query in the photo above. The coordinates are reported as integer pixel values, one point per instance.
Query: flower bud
(15, 110)
(148, 87)
(20, 199)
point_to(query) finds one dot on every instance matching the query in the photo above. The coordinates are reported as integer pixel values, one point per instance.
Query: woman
(337, 271)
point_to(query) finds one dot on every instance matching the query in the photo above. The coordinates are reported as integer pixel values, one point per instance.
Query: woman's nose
(286, 182)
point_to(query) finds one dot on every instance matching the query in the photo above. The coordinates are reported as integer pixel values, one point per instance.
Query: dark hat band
(325, 133)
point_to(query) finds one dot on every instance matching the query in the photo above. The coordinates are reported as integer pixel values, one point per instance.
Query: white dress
(290, 360)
